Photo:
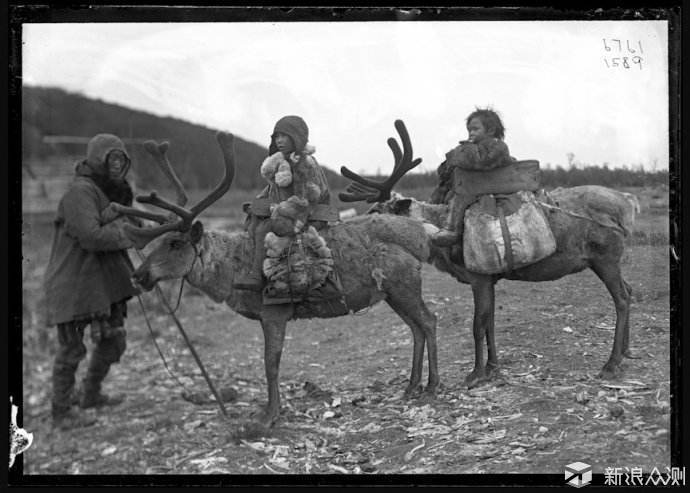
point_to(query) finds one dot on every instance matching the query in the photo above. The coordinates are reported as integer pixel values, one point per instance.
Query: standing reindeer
(376, 258)
(582, 242)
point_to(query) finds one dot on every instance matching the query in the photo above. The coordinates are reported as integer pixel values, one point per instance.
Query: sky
(560, 86)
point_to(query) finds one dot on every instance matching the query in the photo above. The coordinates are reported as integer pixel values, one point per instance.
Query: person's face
(284, 143)
(476, 130)
(117, 163)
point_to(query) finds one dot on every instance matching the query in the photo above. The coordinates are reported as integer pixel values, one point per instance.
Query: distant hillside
(195, 155)
(193, 152)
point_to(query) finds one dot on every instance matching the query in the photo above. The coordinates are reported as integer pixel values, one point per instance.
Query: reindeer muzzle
(142, 280)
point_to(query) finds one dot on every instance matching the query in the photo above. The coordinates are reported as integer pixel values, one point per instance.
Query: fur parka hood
(97, 151)
(94, 167)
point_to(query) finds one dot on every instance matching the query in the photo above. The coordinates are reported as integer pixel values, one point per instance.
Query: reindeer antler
(158, 151)
(374, 191)
(141, 236)
(131, 211)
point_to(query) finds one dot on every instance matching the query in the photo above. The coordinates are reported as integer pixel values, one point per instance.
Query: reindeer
(582, 242)
(376, 258)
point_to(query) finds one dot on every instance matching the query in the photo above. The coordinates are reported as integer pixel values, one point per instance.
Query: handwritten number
(623, 61)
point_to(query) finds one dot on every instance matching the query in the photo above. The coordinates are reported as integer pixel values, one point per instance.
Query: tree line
(196, 156)
(569, 177)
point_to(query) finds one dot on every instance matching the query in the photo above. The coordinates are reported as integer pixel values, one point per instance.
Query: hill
(195, 154)
(193, 151)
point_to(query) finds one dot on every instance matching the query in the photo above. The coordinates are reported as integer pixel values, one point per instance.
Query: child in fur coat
(484, 150)
(291, 170)
(296, 174)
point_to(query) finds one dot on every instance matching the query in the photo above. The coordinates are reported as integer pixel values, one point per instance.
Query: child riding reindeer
(297, 194)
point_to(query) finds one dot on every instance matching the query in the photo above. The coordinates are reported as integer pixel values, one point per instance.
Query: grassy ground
(342, 381)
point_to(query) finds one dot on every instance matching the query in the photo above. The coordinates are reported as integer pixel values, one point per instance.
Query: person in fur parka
(484, 150)
(291, 168)
(87, 280)
(293, 174)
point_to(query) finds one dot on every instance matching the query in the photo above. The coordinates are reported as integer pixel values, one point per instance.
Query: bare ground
(546, 410)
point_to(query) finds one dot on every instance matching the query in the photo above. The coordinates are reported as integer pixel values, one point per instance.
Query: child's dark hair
(491, 121)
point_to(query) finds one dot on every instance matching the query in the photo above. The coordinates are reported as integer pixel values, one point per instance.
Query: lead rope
(179, 295)
(184, 278)
(155, 343)
(184, 335)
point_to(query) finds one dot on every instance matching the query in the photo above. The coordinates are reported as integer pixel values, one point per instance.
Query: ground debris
(352, 418)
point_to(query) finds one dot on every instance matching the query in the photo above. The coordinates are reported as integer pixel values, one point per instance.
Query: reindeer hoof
(412, 391)
(251, 431)
(476, 378)
(431, 390)
(630, 355)
(428, 396)
(610, 371)
(492, 371)
(264, 417)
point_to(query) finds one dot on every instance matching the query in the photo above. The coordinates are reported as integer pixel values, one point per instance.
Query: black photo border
(673, 12)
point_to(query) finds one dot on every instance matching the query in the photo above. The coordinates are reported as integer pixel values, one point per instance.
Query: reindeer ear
(401, 206)
(196, 232)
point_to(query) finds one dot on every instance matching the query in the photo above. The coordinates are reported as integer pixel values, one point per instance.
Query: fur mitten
(275, 169)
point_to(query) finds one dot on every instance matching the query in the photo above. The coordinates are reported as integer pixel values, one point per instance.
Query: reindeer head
(171, 247)
(171, 255)
(397, 204)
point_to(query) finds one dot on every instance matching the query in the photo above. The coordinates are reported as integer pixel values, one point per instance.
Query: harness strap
(261, 207)
(197, 254)
(580, 216)
(506, 239)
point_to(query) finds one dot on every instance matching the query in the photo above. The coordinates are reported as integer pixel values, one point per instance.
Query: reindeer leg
(423, 324)
(610, 274)
(626, 335)
(483, 294)
(414, 387)
(429, 326)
